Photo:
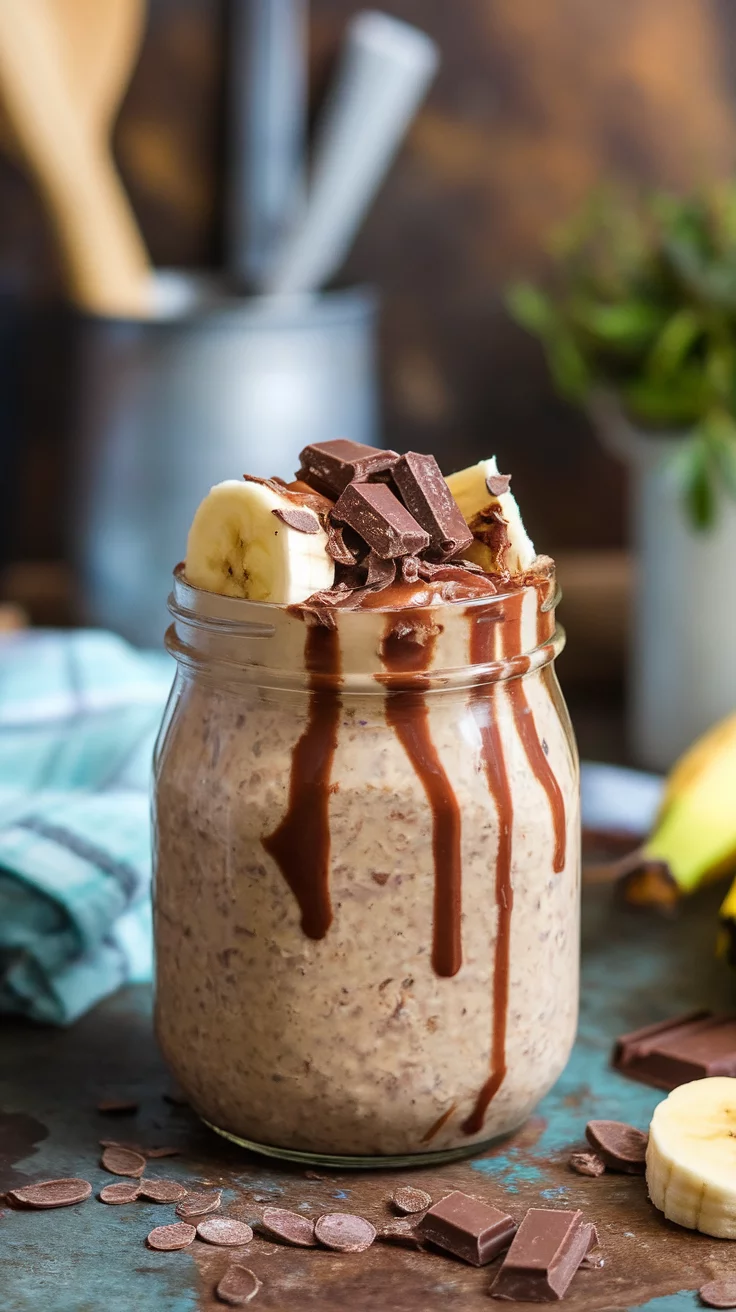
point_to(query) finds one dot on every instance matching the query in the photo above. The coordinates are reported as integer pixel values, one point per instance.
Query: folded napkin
(79, 713)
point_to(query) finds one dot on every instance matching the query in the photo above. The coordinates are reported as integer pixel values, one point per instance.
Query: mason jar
(367, 868)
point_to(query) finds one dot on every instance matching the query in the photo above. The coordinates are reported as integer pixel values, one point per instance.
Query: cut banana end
(238, 547)
(468, 487)
(691, 1156)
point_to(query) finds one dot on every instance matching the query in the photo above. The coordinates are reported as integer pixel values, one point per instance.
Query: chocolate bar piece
(380, 519)
(468, 1228)
(330, 466)
(544, 1256)
(673, 1052)
(425, 493)
(622, 1147)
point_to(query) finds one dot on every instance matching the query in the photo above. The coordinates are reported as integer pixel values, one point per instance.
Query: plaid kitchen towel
(79, 713)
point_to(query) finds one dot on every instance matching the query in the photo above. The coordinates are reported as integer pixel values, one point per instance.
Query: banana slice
(691, 1157)
(238, 547)
(468, 486)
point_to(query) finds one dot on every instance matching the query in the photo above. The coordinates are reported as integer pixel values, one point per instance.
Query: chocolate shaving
(498, 484)
(300, 520)
(381, 573)
(587, 1164)
(51, 1193)
(337, 547)
(238, 1286)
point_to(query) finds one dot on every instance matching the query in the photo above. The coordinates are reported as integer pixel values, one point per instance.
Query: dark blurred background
(534, 103)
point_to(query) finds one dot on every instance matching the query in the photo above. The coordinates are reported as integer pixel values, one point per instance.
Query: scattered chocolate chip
(224, 1231)
(51, 1193)
(123, 1161)
(408, 1200)
(401, 1232)
(380, 519)
(162, 1191)
(380, 877)
(199, 1204)
(468, 1228)
(126, 1191)
(330, 466)
(169, 1238)
(426, 495)
(300, 520)
(117, 1106)
(289, 1226)
(238, 1286)
(719, 1293)
(621, 1146)
(546, 1252)
(497, 484)
(344, 1233)
(587, 1164)
(673, 1052)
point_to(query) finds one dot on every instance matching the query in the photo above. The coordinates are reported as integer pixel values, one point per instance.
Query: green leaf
(631, 325)
(679, 335)
(568, 367)
(693, 465)
(532, 309)
(671, 402)
(719, 432)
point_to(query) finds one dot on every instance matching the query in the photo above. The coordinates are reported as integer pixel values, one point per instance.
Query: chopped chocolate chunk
(719, 1293)
(467, 1227)
(303, 521)
(587, 1164)
(337, 545)
(497, 484)
(289, 1226)
(51, 1193)
(380, 519)
(162, 1191)
(594, 1258)
(401, 1232)
(381, 573)
(425, 493)
(672, 1052)
(123, 1161)
(117, 1106)
(169, 1238)
(330, 466)
(408, 1200)
(199, 1204)
(621, 1146)
(544, 1256)
(344, 1233)
(224, 1231)
(125, 1191)
(238, 1286)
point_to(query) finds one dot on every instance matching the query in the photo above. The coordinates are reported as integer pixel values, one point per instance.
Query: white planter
(682, 675)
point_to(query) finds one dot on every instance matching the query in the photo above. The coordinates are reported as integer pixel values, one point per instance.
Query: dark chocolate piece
(621, 1146)
(544, 1256)
(380, 519)
(224, 1231)
(673, 1052)
(292, 1227)
(161, 1191)
(719, 1293)
(238, 1286)
(125, 1191)
(381, 573)
(51, 1193)
(300, 520)
(587, 1164)
(425, 493)
(344, 1233)
(408, 1200)
(338, 545)
(497, 484)
(170, 1238)
(330, 466)
(468, 1228)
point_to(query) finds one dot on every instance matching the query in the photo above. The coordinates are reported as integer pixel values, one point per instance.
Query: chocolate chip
(330, 466)
(587, 1164)
(238, 1286)
(126, 1191)
(380, 877)
(224, 1231)
(497, 484)
(426, 495)
(621, 1146)
(300, 520)
(169, 1238)
(344, 1233)
(380, 519)
(719, 1293)
(289, 1226)
(117, 1106)
(123, 1161)
(162, 1191)
(401, 1232)
(51, 1193)
(408, 1200)
(199, 1204)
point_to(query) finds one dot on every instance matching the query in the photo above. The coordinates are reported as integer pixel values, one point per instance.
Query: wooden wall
(536, 101)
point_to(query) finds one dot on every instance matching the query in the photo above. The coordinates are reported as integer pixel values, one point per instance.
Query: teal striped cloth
(79, 713)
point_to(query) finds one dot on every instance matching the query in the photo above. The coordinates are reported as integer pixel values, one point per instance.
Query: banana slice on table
(470, 490)
(691, 1157)
(239, 547)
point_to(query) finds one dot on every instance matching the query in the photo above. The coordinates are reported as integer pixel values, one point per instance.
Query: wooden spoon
(63, 67)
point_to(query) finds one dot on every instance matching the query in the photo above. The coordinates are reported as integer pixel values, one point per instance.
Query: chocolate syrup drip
(434, 1129)
(483, 708)
(408, 716)
(301, 844)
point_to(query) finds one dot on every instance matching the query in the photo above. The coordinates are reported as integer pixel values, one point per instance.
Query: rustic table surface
(635, 969)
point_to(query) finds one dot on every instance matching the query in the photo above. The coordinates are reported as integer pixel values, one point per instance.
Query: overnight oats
(367, 826)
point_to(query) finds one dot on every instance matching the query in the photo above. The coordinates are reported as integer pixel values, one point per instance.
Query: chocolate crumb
(587, 1164)
(238, 1286)
(380, 877)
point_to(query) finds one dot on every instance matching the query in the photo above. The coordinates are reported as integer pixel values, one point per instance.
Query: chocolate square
(468, 1228)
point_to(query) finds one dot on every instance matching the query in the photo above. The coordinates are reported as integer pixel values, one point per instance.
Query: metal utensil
(384, 73)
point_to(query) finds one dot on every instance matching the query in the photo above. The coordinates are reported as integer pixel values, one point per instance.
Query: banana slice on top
(470, 490)
(240, 546)
(691, 1157)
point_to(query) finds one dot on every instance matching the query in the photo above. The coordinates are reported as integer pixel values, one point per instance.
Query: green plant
(642, 302)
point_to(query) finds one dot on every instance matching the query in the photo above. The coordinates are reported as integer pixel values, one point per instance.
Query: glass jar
(367, 862)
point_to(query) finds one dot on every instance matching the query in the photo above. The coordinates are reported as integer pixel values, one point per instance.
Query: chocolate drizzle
(301, 844)
(408, 715)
